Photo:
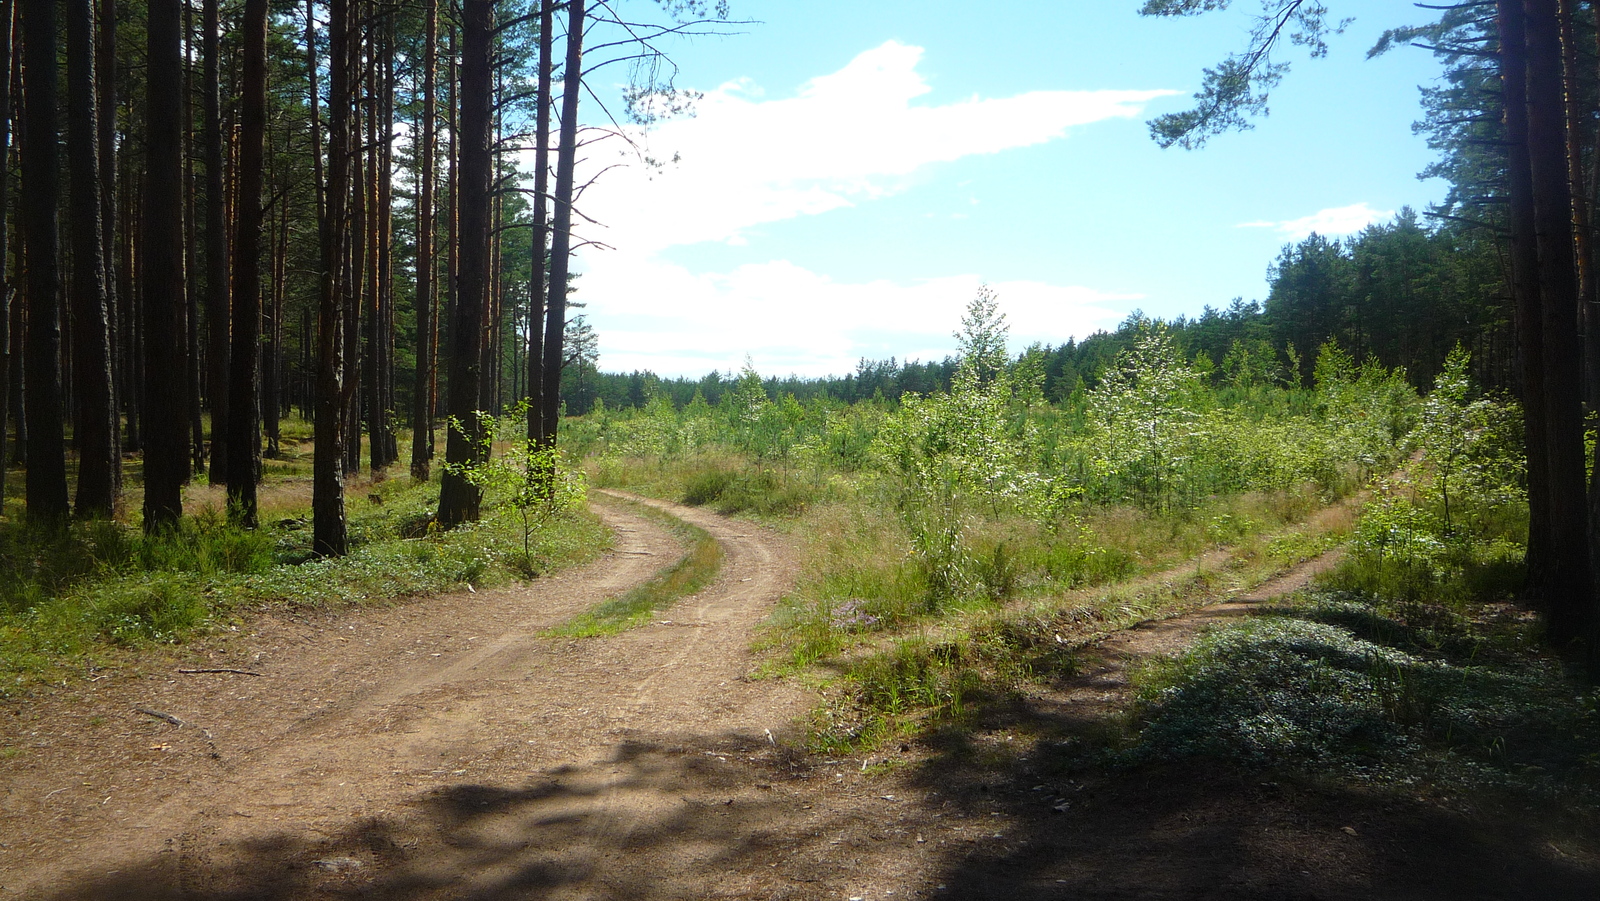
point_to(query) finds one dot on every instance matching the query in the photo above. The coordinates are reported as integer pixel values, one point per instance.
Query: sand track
(361, 718)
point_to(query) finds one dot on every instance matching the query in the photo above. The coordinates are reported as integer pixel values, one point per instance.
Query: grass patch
(635, 607)
(944, 668)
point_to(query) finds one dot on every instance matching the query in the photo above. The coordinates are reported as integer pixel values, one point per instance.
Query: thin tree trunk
(161, 268)
(459, 499)
(427, 340)
(47, 465)
(391, 452)
(19, 352)
(99, 453)
(191, 258)
(537, 287)
(129, 319)
(320, 188)
(106, 131)
(327, 501)
(244, 461)
(272, 389)
(216, 243)
(561, 238)
(7, 17)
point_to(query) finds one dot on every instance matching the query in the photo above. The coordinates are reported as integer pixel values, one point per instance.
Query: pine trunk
(561, 237)
(537, 284)
(46, 449)
(459, 499)
(216, 243)
(327, 499)
(166, 464)
(243, 443)
(99, 451)
(1570, 593)
(7, 17)
(427, 339)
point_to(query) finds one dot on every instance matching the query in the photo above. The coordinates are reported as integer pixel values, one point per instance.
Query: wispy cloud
(1339, 220)
(846, 137)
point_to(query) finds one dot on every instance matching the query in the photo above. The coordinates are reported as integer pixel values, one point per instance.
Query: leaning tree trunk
(1570, 591)
(47, 465)
(561, 238)
(244, 448)
(327, 488)
(427, 339)
(166, 462)
(459, 499)
(99, 452)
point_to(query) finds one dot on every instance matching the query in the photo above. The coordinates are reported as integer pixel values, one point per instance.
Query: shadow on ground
(982, 817)
(1208, 828)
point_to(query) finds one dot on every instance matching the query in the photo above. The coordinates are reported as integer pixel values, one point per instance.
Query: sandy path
(358, 720)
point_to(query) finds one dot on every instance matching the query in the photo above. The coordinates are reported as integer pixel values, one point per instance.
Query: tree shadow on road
(973, 816)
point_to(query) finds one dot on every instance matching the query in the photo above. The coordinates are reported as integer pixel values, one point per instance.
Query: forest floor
(445, 748)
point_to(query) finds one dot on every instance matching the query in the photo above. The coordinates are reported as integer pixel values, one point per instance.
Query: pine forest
(337, 561)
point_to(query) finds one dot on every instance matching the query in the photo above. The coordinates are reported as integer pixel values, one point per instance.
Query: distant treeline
(1399, 292)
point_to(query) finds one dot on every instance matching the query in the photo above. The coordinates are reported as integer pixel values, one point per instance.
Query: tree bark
(47, 468)
(99, 451)
(161, 269)
(561, 237)
(327, 490)
(538, 264)
(243, 445)
(1525, 289)
(1570, 591)
(459, 499)
(216, 243)
(7, 17)
(427, 339)
(106, 136)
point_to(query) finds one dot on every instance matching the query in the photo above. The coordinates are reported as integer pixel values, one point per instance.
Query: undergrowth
(96, 585)
(1382, 692)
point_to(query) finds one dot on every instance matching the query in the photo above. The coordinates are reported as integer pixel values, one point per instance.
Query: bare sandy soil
(442, 749)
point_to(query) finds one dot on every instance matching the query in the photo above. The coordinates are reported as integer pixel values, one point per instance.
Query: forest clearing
(1010, 589)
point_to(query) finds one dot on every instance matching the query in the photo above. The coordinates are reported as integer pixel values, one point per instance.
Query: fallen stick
(166, 717)
(236, 672)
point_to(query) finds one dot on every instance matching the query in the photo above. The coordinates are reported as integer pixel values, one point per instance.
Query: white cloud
(661, 316)
(850, 136)
(744, 160)
(1339, 220)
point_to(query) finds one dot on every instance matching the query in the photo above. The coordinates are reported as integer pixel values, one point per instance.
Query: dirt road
(442, 749)
(356, 724)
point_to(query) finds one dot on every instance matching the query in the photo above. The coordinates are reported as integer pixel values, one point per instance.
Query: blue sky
(856, 169)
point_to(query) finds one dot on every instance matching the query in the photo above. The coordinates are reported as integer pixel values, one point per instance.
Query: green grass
(71, 597)
(692, 572)
(1381, 693)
